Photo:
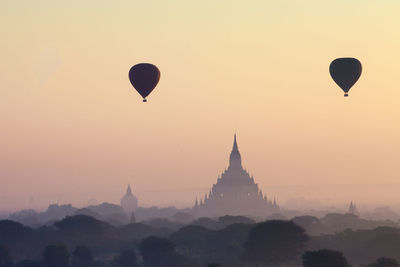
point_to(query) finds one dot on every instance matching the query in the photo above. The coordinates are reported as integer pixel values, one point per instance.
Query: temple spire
(235, 146)
(235, 159)
(128, 190)
(353, 208)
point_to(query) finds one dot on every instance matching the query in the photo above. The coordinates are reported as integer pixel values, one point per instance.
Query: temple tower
(235, 193)
(129, 202)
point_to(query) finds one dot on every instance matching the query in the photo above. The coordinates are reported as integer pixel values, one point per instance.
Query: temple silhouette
(235, 193)
(129, 202)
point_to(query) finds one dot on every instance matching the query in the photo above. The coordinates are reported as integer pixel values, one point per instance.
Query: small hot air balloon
(144, 77)
(345, 72)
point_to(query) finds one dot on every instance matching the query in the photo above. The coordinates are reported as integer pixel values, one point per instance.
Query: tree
(56, 256)
(274, 242)
(324, 257)
(193, 240)
(384, 262)
(127, 258)
(82, 257)
(5, 257)
(156, 250)
(160, 252)
(311, 224)
(229, 219)
(29, 263)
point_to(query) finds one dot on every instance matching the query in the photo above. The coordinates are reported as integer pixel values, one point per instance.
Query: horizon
(291, 197)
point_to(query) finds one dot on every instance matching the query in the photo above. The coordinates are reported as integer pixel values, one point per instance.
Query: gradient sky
(73, 128)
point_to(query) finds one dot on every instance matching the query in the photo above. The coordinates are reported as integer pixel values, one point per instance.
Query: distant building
(129, 202)
(235, 193)
(353, 209)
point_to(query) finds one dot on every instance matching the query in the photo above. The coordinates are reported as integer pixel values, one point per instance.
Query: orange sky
(73, 129)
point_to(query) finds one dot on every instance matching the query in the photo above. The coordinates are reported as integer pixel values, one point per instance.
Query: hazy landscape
(199, 133)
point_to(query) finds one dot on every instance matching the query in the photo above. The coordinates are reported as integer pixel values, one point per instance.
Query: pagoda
(235, 193)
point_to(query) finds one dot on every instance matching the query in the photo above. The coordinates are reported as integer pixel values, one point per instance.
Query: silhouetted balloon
(144, 77)
(345, 72)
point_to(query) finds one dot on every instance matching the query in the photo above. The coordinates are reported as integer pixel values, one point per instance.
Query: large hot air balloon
(345, 72)
(144, 77)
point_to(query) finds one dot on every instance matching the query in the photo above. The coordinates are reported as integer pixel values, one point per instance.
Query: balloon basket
(346, 95)
(144, 100)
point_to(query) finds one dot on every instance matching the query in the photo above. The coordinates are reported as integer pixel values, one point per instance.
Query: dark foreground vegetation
(232, 241)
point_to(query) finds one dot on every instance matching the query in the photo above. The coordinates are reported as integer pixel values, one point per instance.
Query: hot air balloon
(345, 72)
(144, 77)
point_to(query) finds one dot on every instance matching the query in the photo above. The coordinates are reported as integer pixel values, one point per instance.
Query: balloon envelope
(345, 72)
(144, 77)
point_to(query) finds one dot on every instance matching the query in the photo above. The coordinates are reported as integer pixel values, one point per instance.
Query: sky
(73, 129)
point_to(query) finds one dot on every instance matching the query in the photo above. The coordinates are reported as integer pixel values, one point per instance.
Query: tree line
(84, 241)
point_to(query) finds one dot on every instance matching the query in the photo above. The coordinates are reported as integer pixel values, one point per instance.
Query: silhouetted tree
(208, 246)
(325, 258)
(228, 220)
(384, 262)
(81, 224)
(127, 258)
(182, 217)
(5, 257)
(29, 263)
(140, 231)
(18, 238)
(206, 222)
(56, 256)
(194, 241)
(311, 224)
(228, 244)
(160, 252)
(82, 257)
(156, 250)
(274, 242)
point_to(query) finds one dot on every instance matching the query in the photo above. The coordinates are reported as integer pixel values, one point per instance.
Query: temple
(235, 193)
(129, 202)
(353, 209)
